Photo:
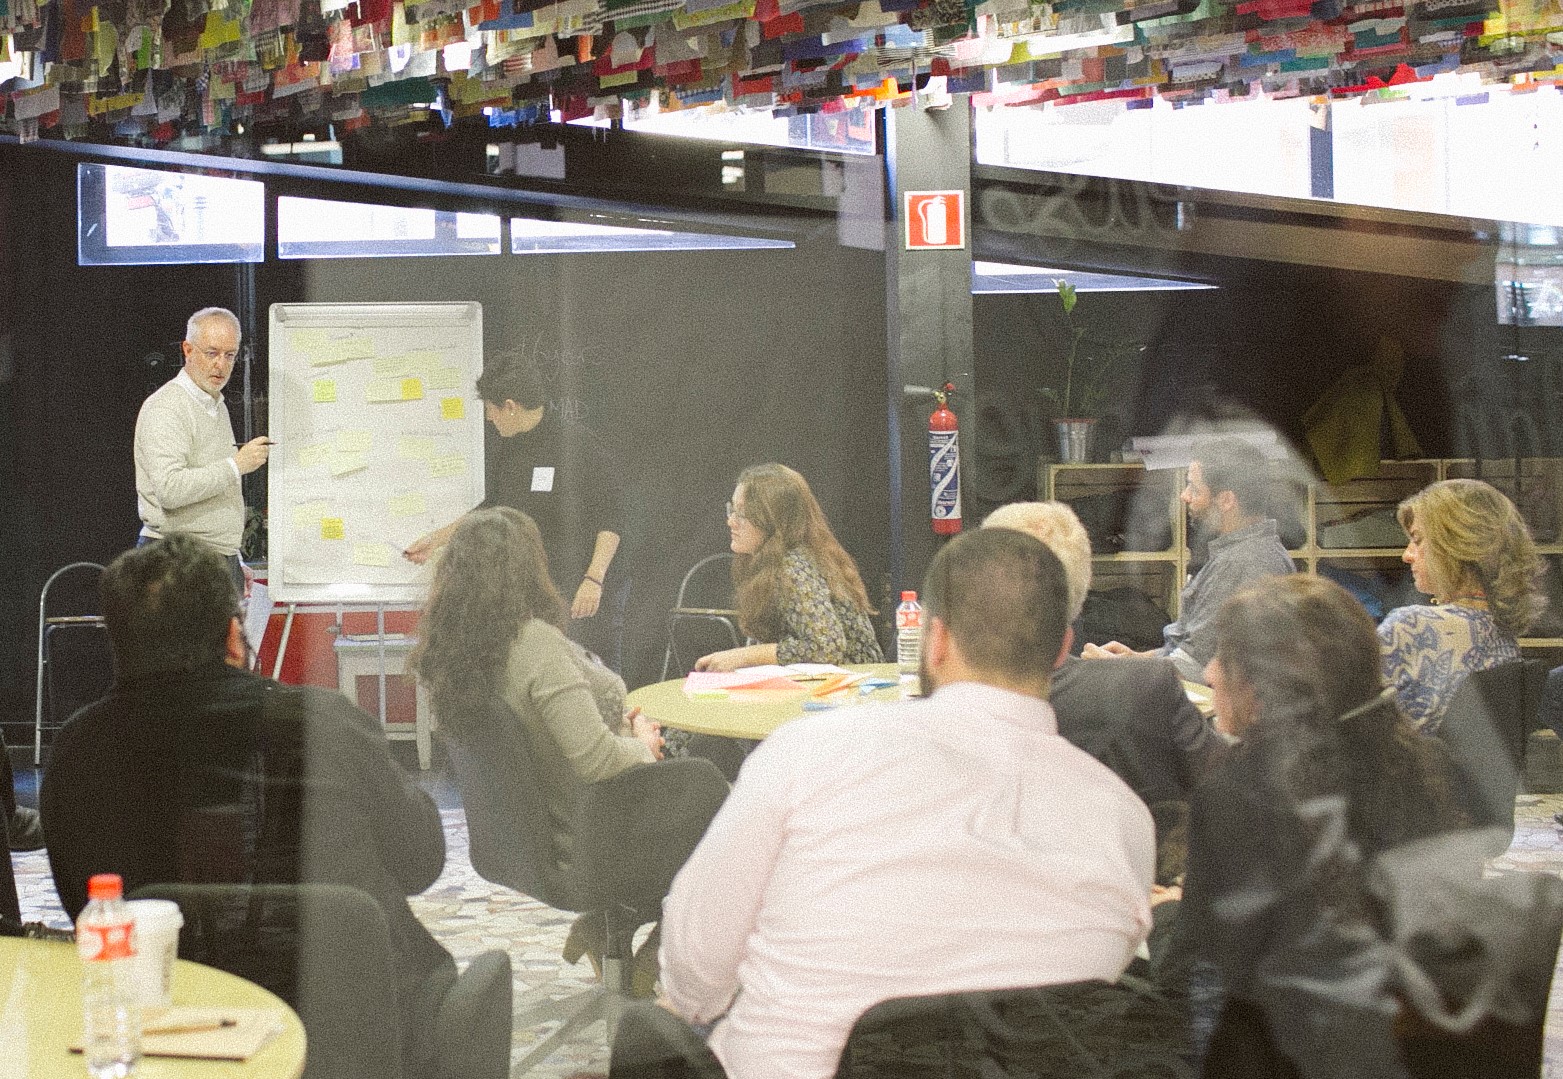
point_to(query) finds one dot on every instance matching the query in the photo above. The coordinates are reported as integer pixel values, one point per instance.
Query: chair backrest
(509, 830)
(323, 948)
(1485, 729)
(630, 833)
(1082, 1030)
(692, 634)
(709, 583)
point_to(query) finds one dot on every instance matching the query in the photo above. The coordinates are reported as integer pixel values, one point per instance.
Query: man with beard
(951, 844)
(1227, 495)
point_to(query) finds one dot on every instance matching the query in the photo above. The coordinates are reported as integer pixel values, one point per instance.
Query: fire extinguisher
(944, 465)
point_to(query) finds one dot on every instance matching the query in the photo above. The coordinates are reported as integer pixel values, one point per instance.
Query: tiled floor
(469, 916)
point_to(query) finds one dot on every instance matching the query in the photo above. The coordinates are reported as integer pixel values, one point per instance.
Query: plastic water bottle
(908, 633)
(111, 1013)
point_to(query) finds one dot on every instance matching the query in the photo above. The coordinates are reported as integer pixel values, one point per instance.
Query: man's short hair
(1056, 525)
(1236, 465)
(168, 606)
(206, 314)
(511, 376)
(1004, 597)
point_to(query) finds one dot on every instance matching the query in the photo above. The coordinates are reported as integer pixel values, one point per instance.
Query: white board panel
(379, 436)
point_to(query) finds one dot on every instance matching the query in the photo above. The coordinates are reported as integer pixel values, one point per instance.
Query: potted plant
(1091, 370)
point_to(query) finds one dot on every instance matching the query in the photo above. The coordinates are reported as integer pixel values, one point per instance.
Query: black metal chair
(619, 865)
(1082, 1030)
(702, 619)
(1485, 729)
(326, 950)
(84, 622)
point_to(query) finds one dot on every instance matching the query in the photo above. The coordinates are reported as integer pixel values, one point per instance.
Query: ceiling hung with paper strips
(199, 74)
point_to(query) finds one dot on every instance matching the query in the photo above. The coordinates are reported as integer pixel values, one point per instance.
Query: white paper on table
(257, 613)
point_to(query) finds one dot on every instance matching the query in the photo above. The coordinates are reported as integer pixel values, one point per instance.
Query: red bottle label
(107, 941)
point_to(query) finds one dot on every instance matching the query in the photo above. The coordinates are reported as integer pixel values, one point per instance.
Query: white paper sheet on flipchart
(357, 477)
(257, 613)
(1176, 451)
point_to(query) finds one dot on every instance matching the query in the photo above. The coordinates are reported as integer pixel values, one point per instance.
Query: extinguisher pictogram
(944, 465)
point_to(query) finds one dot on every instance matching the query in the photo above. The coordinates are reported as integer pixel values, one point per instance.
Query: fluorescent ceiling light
(1002, 277)
(529, 236)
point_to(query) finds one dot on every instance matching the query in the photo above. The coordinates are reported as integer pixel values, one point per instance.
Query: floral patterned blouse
(1428, 651)
(815, 627)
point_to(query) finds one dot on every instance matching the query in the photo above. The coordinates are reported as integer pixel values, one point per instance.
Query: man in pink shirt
(945, 845)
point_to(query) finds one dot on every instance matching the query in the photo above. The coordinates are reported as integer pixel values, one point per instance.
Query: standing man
(946, 845)
(188, 467)
(559, 474)
(1228, 495)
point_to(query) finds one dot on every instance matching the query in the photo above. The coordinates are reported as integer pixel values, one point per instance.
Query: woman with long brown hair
(493, 627)
(1326, 775)
(799, 593)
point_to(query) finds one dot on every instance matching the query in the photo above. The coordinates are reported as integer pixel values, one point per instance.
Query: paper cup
(157, 946)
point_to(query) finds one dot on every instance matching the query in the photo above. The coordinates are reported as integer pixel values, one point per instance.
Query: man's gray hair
(207, 314)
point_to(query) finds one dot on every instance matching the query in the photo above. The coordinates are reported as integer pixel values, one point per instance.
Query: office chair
(619, 868)
(702, 619)
(1485, 729)
(326, 951)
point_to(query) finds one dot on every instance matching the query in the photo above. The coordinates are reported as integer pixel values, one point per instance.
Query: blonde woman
(1470, 550)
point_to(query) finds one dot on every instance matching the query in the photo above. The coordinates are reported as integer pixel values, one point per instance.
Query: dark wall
(1269, 342)
(693, 365)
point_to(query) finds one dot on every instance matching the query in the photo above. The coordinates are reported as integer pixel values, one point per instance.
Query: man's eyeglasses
(213, 355)
(733, 514)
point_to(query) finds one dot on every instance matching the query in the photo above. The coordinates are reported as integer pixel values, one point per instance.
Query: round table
(40, 1016)
(738, 717)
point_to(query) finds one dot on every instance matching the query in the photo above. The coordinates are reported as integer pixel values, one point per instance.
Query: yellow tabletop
(737, 717)
(40, 1015)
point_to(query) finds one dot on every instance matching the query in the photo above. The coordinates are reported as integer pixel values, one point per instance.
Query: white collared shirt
(939, 846)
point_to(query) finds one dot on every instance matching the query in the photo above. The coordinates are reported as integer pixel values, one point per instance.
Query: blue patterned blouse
(1428, 651)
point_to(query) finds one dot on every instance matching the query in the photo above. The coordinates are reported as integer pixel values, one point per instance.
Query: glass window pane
(137, 216)
(321, 228)
(532, 237)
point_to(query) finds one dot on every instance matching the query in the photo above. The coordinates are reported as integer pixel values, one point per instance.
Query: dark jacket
(1133, 716)
(221, 776)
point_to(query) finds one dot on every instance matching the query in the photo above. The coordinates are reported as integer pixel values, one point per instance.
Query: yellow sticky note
(453, 408)
(344, 463)
(308, 514)
(380, 390)
(412, 389)
(332, 528)
(415, 447)
(392, 366)
(354, 441)
(325, 391)
(308, 340)
(444, 378)
(342, 349)
(408, 505)
(452, 464)
(371, 554)
(310, 456)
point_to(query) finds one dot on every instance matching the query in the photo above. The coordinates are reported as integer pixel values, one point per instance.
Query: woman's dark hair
(492, 578)
(778, 502)
(1325, 725)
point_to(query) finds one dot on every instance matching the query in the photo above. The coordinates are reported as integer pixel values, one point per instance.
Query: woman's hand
(419, 550)
(647, 731)
(729, 660)
(587, 599)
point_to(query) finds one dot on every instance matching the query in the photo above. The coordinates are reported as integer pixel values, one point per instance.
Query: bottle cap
(908, 596)
(105, 886)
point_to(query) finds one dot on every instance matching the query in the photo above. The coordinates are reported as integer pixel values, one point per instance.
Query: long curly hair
(778, 502)
(1477, 542)
(492, 578)
(1325, 726)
